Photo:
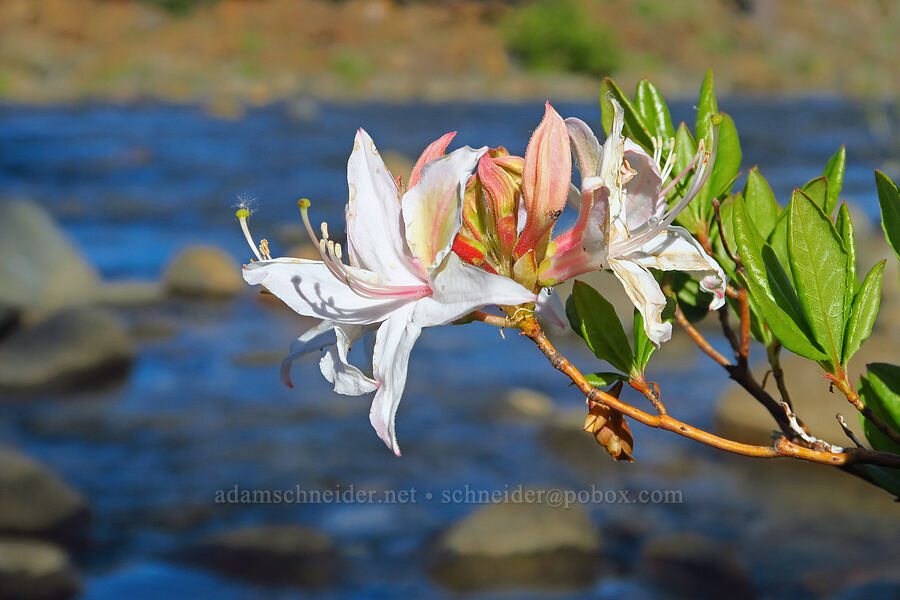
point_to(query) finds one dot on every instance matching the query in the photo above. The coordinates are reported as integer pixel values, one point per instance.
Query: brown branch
(845, 387)
(698, 338)
(782, 448)
(744, 306)
(739, 372)
(728, 331)
(650, 392)
(773, 352)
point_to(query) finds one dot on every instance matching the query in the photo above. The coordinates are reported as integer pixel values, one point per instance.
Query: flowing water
(203, 409)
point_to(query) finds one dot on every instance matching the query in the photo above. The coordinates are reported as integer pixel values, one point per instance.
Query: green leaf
(605, 378)
(643, 347)
(844, 227)
(834, 171)
(706, 107)
(595, 320)
(635, 127)
(770, 289)
(884, 477)
(760, 202)
(880, 390)
(685, 149)
(778, 238)
(653, 109)
(728, 158)
(863, 312)
(820, 265)
(725, 210)
(889, 200)
(817, 189)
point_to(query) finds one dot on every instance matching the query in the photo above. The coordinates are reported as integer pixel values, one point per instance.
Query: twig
(650, 392)
(773, 353)
(728, 331)
(782, 448)
(698, 338)
(844, 385)
(847, 430)
(744, 306)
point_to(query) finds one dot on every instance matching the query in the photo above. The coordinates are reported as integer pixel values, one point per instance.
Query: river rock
(527, 545)
(527, 404)
(280, 554)
(73, 349)
(203, 271)
(35, 502)
(34, 570)
(689, 565)
(41, 269)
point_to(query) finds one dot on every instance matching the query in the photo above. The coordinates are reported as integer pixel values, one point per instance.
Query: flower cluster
(474, 228)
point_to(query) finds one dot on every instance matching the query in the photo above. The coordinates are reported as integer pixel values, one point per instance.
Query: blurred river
(203, 409)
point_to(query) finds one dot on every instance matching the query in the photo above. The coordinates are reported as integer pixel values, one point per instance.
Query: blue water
(133, 184)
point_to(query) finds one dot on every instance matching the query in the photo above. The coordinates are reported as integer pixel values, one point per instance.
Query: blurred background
(140, 403)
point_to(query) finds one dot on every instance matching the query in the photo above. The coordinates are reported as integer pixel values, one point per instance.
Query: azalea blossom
(402, 275)
(625, 224)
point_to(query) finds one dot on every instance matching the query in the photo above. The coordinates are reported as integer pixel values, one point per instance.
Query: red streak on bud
(546, 178)
(434, 150)
(469, 250)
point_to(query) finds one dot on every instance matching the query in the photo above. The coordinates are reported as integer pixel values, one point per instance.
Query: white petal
(646, 296)
(311, 340)
(347, 379)
(308, 287)
(375, 236)
(459, 288)
(432, 209)
(642, 199)
(550, 308)
(393, 344)
(585, 147)
(676, 250)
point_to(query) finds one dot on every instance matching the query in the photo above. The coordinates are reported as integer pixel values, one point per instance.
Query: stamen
(242, 216)
(701, 174)
(264, 249)
(331, 255)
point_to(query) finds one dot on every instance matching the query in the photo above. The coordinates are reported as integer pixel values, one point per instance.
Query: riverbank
(233, 53)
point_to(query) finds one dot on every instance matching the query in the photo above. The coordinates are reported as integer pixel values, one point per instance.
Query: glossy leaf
(844, 227)
(817, 189)
(706, 106)
(760, 202)
(653, 109)
(834, 171)
(728, 158)
(603, 379)
(770, 288)
(693, 301)
(863, 312)
(595, 320)
(635, 127)
(643, 347)
(889, 200)
(819, 264)
(880, 390)
(778, 238)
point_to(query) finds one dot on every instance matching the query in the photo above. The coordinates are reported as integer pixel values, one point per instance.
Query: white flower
(401, 275)
(625, 225)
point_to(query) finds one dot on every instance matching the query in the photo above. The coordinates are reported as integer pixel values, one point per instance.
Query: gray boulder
(278, 554)
(40, 268)
(519, 545)
(34, 570)
(73, 349)
(35, 502)
(203, 271)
